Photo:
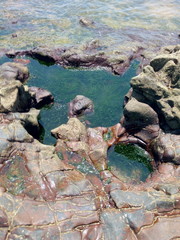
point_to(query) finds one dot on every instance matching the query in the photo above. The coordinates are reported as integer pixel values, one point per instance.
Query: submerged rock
(86, 22)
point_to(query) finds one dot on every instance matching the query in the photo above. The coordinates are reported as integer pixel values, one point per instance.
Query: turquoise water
(56, 23)
(104, 89)
(107, 93)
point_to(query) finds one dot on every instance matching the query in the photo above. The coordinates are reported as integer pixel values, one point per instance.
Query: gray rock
(139, 115)
(80, 105)
(12, 70)
(41, 97)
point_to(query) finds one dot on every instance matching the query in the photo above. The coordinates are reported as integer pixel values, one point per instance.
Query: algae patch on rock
(129, 162)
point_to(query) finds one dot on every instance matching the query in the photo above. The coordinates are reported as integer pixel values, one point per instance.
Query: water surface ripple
(40, 22)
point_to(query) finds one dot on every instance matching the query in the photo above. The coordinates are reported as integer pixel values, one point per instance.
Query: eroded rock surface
(14, 96)
(159, 86)
(152, 110)
(66, 191)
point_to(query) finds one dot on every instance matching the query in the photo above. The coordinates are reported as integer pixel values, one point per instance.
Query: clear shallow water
(129, 162)
(54, 23)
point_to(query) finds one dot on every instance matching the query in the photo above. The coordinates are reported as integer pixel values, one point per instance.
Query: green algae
(14, 175)
(130, 162)
(107, 136)
(134, 153)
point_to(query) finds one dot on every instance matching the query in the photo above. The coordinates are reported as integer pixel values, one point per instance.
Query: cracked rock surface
(45, 193)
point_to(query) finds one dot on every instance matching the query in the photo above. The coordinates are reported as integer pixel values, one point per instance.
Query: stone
(45, 195)
(74, 130)
(14, 96)
(98, 149)
(86, 22)
(139, 115)
(41, 97)
(159, 85)
(164, 228)
(166, 148)
(80, 105)
(120, 230)
(140, 120)
(12, 70)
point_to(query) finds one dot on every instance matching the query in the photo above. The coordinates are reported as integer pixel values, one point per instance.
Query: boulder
(139, 115)
(74, 130)
(159, 86)
(140, 120)
(14, 96)
(41, 97)
(12, 70)
(80, 105)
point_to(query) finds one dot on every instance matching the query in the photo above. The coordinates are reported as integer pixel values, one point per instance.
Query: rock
(74, 130)
(139, 115)
(98, 149)
(140, 120)
(161, 229)
(28, 119)
(44, 196)
(14, 96)
(166, 148)
(80, 105)
(86, 22)
(41, 97)
(159, 86)
(12, 70)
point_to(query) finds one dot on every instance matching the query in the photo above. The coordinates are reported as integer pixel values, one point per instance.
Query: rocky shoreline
(44, 196)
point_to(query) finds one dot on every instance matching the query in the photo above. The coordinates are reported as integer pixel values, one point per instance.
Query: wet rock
(86, 22)
(14, 35)
(41, 97)
(80, 105)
